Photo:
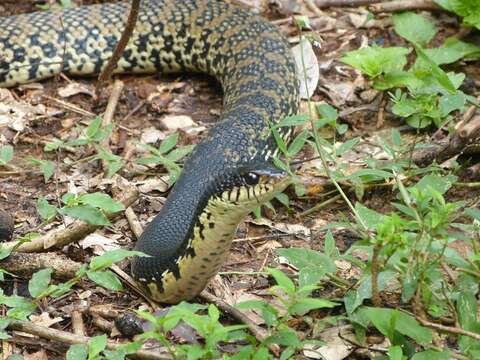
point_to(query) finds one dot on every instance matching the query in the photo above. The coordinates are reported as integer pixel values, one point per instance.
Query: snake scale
(230, 172)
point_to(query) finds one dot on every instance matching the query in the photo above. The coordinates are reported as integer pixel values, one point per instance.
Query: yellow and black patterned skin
(228, 174)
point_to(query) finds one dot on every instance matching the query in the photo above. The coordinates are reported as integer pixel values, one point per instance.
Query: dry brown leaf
(304, 55)
(75, 88)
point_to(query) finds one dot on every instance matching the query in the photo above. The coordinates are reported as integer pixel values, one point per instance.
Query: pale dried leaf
(75, 88)
(151, 135)
(177, 122)
(304, 55)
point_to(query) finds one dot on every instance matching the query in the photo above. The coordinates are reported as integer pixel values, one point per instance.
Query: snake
(231, 171)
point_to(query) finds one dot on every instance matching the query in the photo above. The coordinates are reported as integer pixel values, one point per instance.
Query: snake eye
(251, 178)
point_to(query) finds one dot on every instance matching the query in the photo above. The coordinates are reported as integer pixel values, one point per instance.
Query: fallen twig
(108, 115)
(404, 5)
(69, 338)
(344, 3)
(122, 44)
(26, 265)
(448, 329)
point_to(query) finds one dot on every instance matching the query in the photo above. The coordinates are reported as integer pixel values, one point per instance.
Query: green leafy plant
(425, 94)
(92, 208)
(166, 156)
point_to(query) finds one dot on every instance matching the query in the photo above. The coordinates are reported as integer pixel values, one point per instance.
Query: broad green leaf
(111, 257)
(298, 143)
(77, 352)
(293, 120)
(439, 183)
(101, 201)
(282, 280)
(453, 50)
(86, 213)
(47, 212)
(39, 282)
(474, 213)
(383, 319)
(168, 143)
(375, 61)
(432, 354)
(303, 306)
(313, 265)
(369, 217)
(96, 345)
(413, 27)
(436, 71)
(94, 127)
(106, 278)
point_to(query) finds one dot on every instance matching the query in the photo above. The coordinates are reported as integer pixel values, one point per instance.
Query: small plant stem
(448, 329)
(321, 153)
(320, 205)
(376, 299)
(468, 184)
(470, 272)
(246, 273)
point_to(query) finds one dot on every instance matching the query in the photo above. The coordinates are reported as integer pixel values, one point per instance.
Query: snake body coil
(228, 174)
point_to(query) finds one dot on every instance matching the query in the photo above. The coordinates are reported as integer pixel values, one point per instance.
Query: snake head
(254, 185)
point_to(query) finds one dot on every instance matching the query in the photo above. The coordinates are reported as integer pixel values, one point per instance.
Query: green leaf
(77, 352)
(96, 345)
(414, 28)
(375, 61)
(282, 280)
(305, 305)
(453, 50)
(395, 353)
(369, 217)
(294, 120)
(39, 282)
(86, 213)
(106, 278)
(180, 153)
(6, 154)
(111, 257)
(468, 9)
(327, 112)
(94, 127)
(101, 201)
(47, 212)
(474, 213)
(285, 338)
(54, 145)
(347, 145)
(313, 265)
(436, 71)
(440, 183)
(168, 143)
(432, 354)
(383, 319)
(298, 143)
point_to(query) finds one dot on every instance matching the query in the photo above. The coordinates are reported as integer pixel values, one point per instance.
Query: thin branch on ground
(344, 3)
(25, 265)
(122, 44)
(448, 329)
(69, 338)
(405, 5)
(108, 116)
